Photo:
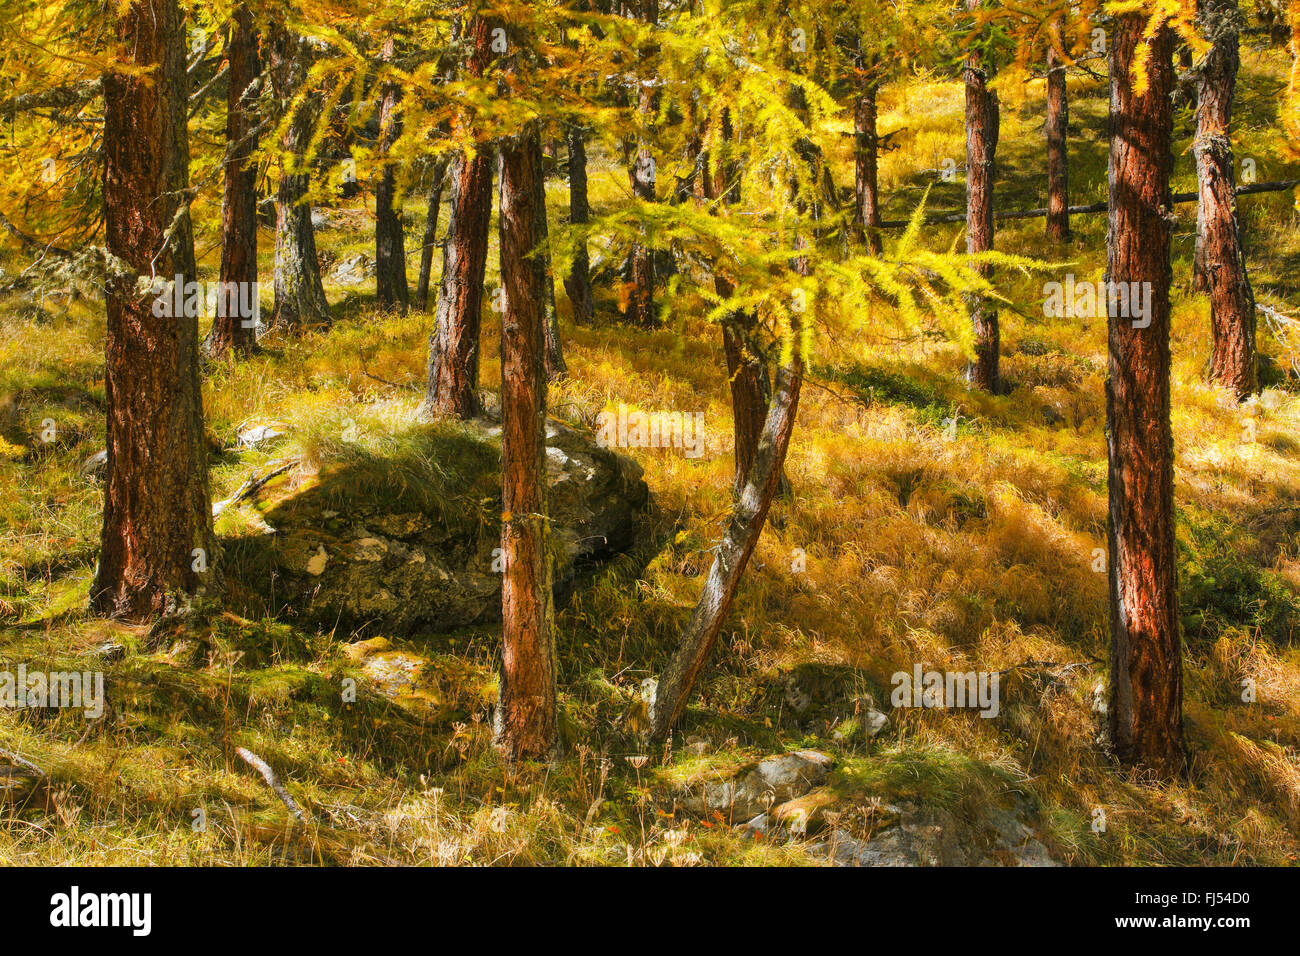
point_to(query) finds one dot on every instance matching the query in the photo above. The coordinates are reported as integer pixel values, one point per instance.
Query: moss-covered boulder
(410, 541)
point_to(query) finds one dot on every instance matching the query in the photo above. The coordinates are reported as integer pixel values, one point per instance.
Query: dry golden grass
(972, 551)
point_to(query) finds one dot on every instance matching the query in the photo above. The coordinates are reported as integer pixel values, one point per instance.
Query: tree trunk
(866, 164)
(452, 388)
(981, 148)
(640, 297)
(1058, 169)
(578, 282)
(751, 385)
(1219, 256)
(1146, 725)
(555, 365)
(299, 295)
(156, 510)
(232, 328)
(390, 238)
(526, 725)
(733, 553)
(430, 236)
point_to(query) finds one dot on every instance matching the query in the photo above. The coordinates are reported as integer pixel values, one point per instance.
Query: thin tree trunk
(982, 116)
(430, 236)
(390, 238)
(1146, 660)
(578, 283)
(640, 299)
(555, 364)
(866, 166)
(1058, 168)
(299, 295)
(452, 388)
(733, 553)
(526, 725)
(1219, 256)
(232, 328)
(156, 510)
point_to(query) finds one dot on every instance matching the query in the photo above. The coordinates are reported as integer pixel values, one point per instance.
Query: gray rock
(356, 269)
(96, 466)
(895, 847)
(755, 788)
(921, 838)
(384, 560)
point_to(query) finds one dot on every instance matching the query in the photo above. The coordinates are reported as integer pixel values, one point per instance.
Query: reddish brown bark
(526, 717)
(751, 386)
(299, 295)
(452, 388)
(981, 149)
(865, 168)
(1146, 663)
(1058, 168)
(156, 510)
(1220, 260)
(232, 328)
(578, 282)
(391, 290)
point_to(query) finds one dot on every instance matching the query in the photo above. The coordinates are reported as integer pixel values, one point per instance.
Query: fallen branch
(254, 485)
(272, 781)
(24, 763)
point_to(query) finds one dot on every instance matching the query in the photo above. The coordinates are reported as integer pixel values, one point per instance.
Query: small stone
(316, 564)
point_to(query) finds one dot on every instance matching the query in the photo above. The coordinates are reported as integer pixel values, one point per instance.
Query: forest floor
(970, 549)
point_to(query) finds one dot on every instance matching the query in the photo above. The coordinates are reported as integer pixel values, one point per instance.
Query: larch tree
(526, 724)
(1146, 722)
(391, 289)
(453, 368)
(556, 367)
(577, 283)
(157, 542)
(982, 127)
(1220, 262)
(771, 231)
(1057, 131)
(640, 309)
(231, 328)
(437, 176)
(299, 294)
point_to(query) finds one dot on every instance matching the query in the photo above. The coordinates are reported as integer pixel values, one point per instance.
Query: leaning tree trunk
(1219, 256)
(733, 553)
(299, 295)
(578, 282)
(640, 296)
(526, 725)
(866, 168)
(232, 329)
(391, 290)
(430, 236)
(981, 148)
(555, 364)
(452, 388)
(157, 531)
(1146, 726)
(1058, 168)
